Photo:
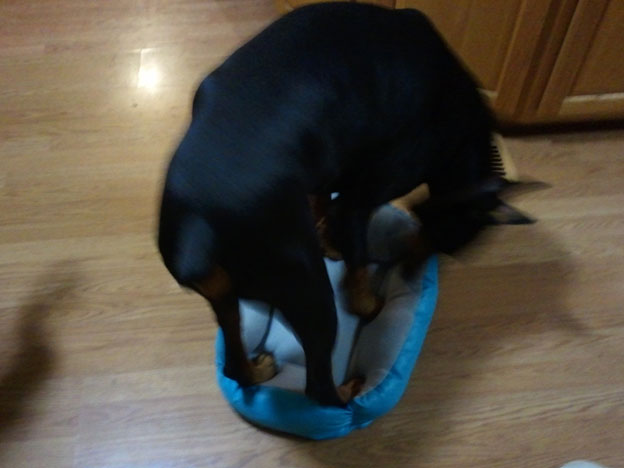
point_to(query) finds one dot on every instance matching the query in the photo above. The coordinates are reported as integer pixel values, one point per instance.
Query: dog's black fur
(346, 98)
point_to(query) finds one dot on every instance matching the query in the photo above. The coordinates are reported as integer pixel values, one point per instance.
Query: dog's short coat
(332, 98)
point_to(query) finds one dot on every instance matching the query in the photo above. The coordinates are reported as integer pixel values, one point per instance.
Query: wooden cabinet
(469, 26)
(587, 78)
(537, 61)
(494, 38)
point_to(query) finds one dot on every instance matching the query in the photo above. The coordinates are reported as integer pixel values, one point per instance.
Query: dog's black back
(344, 98)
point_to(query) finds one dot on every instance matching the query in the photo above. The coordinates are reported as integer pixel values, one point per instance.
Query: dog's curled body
(332, 98)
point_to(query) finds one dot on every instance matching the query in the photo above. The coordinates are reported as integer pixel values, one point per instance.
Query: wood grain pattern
(597, 88)
(554, 28)
(605, 105)
(479, 31)
(105, 362)
(519, 60)
(583, 26)
(603, 67)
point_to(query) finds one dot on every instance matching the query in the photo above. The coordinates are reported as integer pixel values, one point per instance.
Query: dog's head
(451, 222)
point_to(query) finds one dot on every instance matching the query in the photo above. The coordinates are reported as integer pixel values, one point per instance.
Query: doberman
(334, 98)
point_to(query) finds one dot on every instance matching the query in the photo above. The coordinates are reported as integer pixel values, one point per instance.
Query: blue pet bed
(384, 350)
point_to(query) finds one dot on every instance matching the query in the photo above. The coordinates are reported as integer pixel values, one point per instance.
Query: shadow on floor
(34, 361)
(478, 315)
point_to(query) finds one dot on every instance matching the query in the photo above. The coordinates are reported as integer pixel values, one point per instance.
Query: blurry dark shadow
(482, 310)
(34, 359)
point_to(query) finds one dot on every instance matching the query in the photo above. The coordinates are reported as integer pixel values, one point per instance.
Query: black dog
(332, 98)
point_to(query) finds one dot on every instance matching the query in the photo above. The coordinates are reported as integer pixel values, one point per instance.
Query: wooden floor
(104, 362)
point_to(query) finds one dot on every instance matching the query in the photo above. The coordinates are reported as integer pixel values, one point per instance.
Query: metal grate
(501, 161)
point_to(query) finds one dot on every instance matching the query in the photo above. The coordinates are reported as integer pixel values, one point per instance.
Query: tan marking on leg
(263, 368)
(350, 389)
(216, 285)
(362, 301)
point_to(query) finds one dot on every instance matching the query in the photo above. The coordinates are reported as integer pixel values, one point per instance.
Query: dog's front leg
(361, 299)
(301, 290)
(350, 229)
(313, 319)
(218, 290)
(237, 364)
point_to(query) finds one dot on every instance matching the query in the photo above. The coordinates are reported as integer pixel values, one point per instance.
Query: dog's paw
(365, 304)
(361, 300)
(349, 390)
(263, 368)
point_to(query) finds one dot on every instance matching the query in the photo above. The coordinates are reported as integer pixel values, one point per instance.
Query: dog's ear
(501, 212)
(493, 185)
(522, 186)
(501, 186)
(506, 214)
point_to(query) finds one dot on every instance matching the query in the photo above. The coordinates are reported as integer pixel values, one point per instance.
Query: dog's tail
(186, 242)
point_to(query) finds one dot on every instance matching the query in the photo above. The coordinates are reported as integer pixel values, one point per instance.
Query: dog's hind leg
(307, 303)
(237, 364)
(218, 290)
(298, 285)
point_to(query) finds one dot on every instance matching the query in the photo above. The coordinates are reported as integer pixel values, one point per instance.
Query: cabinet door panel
(603, 67)
(588, 77)
(537, 61)
(480, 31)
